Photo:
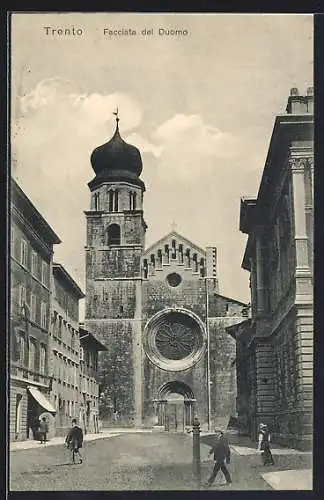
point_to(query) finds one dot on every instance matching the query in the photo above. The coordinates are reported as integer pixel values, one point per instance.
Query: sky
(200, 107)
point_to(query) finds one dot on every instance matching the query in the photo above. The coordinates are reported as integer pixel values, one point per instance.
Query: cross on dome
(116, 114)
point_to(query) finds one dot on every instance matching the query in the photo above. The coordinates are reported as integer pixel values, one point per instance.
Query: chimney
(300, 104)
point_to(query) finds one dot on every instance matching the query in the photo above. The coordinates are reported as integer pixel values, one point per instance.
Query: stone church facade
(157, 310)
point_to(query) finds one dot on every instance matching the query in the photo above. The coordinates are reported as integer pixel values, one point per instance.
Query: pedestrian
(74, 440)
(222, 452)
(43, 430)
(264, 445)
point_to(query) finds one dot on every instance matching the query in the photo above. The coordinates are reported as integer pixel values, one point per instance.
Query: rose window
(174, 339)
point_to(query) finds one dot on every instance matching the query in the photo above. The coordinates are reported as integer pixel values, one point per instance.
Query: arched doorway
(174, 406)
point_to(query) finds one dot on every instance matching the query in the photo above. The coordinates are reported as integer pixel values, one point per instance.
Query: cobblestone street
(138, 462)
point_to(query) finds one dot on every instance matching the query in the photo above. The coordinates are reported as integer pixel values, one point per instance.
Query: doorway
(175, 407)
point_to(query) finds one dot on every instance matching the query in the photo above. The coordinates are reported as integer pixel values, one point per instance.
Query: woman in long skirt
(264, 445)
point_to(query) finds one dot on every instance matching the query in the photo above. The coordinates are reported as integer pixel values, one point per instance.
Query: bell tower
(114, 248)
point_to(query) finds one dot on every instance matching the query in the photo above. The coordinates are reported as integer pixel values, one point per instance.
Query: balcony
(27, 375)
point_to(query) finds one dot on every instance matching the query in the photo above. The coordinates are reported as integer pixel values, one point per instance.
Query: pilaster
(303, 270)
(260, 274)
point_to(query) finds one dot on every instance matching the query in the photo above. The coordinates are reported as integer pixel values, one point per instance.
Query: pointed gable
(179, 240)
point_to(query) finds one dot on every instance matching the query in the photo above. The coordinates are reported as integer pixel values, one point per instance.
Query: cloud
(63, 95)
(190, 147)
(144, 145)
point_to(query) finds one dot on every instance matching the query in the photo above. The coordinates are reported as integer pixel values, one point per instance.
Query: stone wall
(116, 369)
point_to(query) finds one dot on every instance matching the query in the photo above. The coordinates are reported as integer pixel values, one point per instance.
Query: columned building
(278, 340)
(31, 258)
(157, 310)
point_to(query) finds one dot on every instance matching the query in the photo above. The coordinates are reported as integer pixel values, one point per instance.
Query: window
(18, 413)
(44, 273)
(33, 305)
(60, 327)
(145, 268)
(22, 295)
(113, 205)
(174, 279)
(22, 348)
(23, 253)
(34, 263)
(166, 252)
(202, 267)
(195, 262)
(111, 201)
(42, 359)
(174, 251)
(81, 354)
(96, 201)
(44, 315)
(116, 201)
(113, 235)
(32, 356)
(132, 201)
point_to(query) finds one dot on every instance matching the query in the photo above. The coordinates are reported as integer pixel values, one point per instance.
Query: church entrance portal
(175, 406)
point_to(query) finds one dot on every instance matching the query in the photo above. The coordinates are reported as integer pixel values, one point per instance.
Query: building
(88, 381)
(65, 349)
(31, 256)
(277, 343)
(157, 310)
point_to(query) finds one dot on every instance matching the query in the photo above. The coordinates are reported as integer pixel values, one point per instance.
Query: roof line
(174, 233)
(68, 278)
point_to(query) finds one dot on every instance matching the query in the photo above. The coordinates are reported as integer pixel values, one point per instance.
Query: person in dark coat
(264, 445)
(222, 452)
(74, 440)
(43, 430)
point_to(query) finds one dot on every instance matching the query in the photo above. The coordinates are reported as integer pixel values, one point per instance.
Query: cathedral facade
(158, 310)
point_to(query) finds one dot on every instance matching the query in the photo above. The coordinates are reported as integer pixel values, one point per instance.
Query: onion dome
(116, 160)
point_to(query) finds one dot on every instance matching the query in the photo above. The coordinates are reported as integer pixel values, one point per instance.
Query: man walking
(74, 440)
(222, 452)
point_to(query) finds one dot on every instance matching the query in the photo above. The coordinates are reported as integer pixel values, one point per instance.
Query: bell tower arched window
(113, 202)
(113, 235)
(116, 201)
(96, 199)
(132, 201)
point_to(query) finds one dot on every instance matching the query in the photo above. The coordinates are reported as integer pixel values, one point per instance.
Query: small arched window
(97, 201)
(113, 235)
(202, 267)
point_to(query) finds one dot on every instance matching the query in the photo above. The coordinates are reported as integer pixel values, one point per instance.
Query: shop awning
(41, 399)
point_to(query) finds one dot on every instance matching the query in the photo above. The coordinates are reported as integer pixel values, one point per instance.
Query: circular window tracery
(174, 279)
(174, 339)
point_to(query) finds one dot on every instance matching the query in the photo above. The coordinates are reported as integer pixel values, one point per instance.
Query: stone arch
(175, 387)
